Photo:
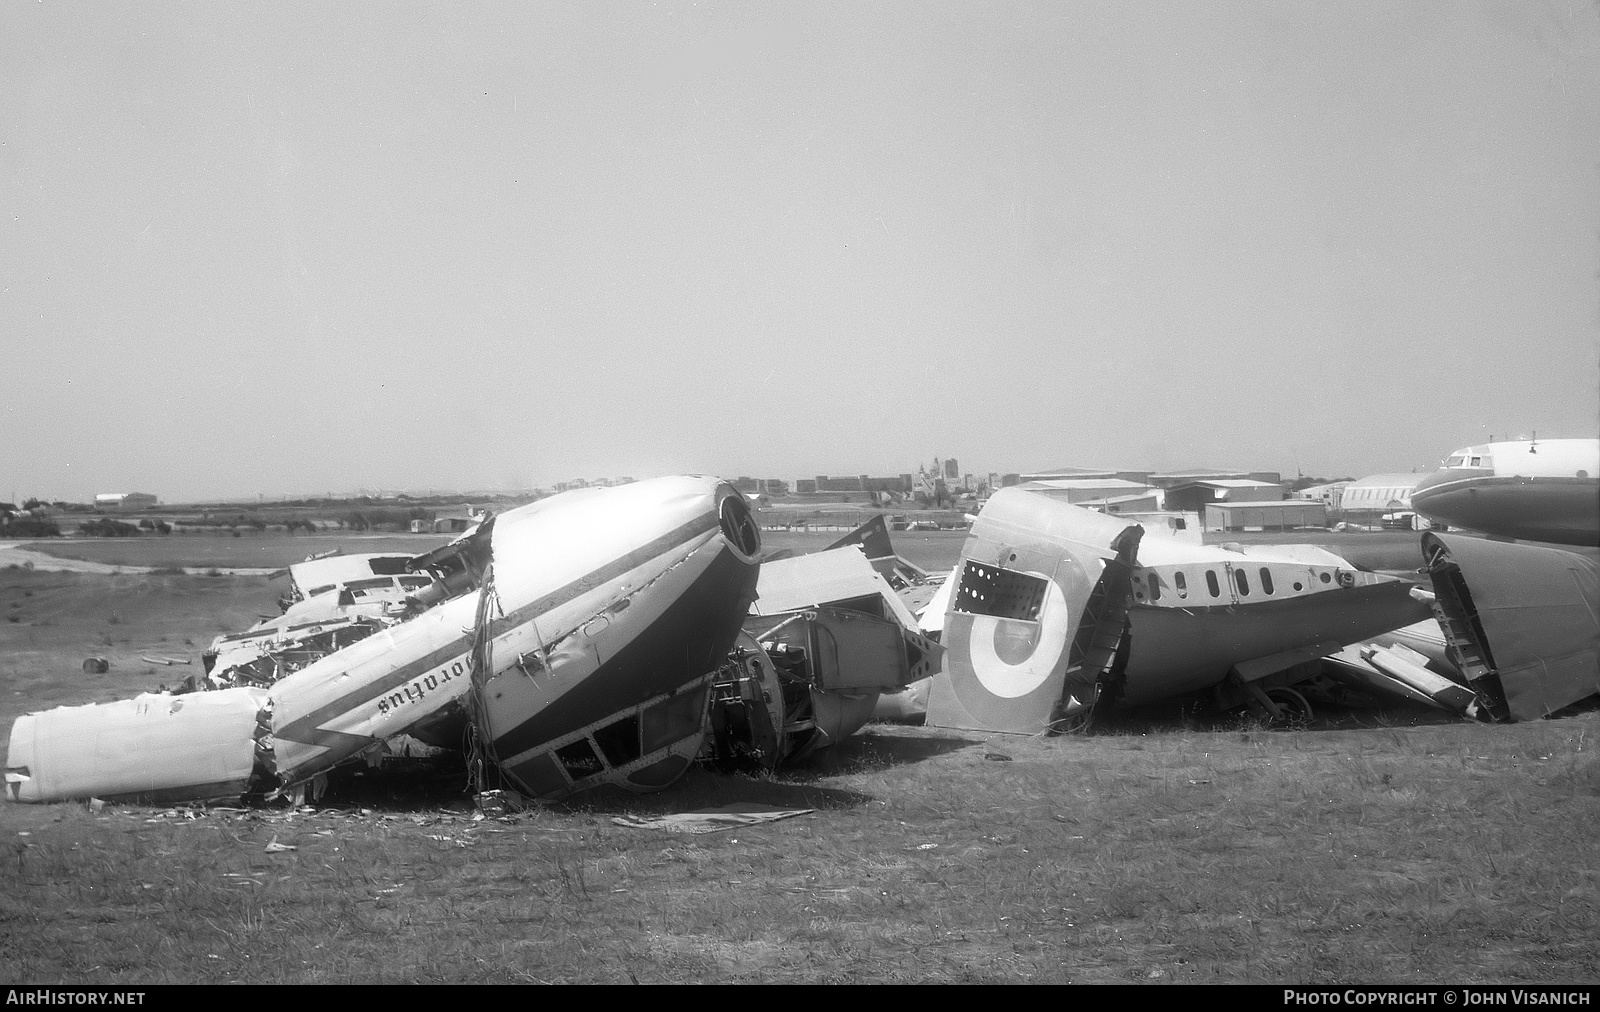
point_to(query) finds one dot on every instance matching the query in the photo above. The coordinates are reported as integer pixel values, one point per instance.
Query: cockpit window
(1455, 461)
(1477, 461)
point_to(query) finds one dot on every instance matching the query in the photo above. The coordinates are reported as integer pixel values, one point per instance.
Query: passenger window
(1155, 587)
(1242, 581)
(1266, 580)
(1177, 578)
(1211, 583)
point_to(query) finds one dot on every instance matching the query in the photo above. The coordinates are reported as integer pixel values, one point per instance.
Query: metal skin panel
(193, 746)
(1563, 511)
(1180, 650)
(1538, 490)
(574, 562)
(348, 701)
(1006, 674)
(1539, 610)
(671, 633)
(571, 644)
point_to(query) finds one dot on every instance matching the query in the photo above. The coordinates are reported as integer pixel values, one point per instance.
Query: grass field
(1372, 847)
(270, 550)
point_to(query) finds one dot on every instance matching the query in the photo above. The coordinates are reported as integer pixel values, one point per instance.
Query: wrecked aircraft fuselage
(575, 636)
(1058, 610)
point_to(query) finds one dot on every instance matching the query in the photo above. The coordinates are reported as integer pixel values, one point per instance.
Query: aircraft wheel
(1295, 707)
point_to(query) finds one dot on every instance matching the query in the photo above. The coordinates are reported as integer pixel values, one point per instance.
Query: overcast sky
(288, 249)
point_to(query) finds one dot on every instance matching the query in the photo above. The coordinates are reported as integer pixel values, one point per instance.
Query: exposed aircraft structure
(824, 639)
(1058, 610)
(577, 636)
(1523, 621)
(333, 601)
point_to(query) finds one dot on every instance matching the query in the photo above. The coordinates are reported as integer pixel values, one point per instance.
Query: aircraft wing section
(1524, 615)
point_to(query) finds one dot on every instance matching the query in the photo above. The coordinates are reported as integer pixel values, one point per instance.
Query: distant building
(900, 483)
(1379, 493)
(1062, 474)
(124, 501)
(1195, 496)
(1082, 490)
(1273, 515)
(1329, 494)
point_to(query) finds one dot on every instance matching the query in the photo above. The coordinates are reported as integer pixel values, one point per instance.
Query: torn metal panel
(908, 706)
(840, 576)
(375, 572)
(1523, 620)
(872, 538)
(264, 656)
(154, 747)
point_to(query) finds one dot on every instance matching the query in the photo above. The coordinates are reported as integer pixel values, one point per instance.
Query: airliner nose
(1421, 492)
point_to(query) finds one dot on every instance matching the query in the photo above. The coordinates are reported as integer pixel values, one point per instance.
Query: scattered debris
(712, 820)
(274, 847)
(96, 665)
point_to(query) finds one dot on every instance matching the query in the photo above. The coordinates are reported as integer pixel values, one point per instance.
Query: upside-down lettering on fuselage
(578, 635)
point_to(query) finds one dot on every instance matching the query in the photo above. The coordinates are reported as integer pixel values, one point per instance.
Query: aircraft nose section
(1445, 496)
(1428, 488)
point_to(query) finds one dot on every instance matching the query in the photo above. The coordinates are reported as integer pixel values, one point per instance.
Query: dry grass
(268, 550)
(1164, 851)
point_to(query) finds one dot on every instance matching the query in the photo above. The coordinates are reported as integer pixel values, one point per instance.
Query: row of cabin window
(1240, 580)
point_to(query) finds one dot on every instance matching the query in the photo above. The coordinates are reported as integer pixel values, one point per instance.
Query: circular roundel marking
(1013, 658)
